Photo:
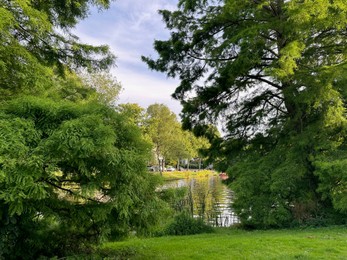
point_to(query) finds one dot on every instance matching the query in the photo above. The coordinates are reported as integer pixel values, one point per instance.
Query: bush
(184, 224)
(71, 175)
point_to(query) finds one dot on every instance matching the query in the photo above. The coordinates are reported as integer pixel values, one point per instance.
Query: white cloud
(129, 27)
(146, 89)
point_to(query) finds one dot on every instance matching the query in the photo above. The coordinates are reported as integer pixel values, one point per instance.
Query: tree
(135, 113)
(274, 72)
(200, 144)
(36, 42)
(107, 86)
(161, 126)
(192, 147)
(181, 148)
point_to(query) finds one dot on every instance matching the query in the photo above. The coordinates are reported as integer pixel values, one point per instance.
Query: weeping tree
(273, 73)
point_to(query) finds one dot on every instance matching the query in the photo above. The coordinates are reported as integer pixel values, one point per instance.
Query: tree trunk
(157, 152)
(159, 165)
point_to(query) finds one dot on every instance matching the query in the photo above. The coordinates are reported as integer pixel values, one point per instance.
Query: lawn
(318, 243)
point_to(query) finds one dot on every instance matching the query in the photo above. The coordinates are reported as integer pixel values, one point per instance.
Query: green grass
(188, 174)
(319, 243)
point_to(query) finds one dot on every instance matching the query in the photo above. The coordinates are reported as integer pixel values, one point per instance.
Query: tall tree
(274, 72)
(201, 144)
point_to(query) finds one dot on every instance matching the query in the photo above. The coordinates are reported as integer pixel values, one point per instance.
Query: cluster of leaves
(273, 72)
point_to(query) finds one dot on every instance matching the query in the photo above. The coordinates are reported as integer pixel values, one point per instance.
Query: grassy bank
(320, 243)
(175, 175)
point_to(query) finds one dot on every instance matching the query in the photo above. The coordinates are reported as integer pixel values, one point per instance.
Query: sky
(130, 27)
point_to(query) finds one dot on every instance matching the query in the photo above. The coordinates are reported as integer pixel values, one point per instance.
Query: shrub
(184, 224)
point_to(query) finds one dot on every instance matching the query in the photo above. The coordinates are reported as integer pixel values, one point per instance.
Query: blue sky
(130, 27)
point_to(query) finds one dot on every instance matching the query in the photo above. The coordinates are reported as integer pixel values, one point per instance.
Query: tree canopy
(163, 128)
(273, 72)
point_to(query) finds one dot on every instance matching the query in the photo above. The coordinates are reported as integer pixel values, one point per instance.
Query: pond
(209, 199)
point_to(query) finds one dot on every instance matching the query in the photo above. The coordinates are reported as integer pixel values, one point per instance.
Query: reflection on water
(209, 199)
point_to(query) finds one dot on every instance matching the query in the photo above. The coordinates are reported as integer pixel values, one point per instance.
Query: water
(209, 199)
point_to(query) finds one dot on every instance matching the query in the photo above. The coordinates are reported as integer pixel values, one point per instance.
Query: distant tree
(194, 147)
(170, 141)
(181, 148)
(161, 126)
(274, 73)
(107, 86)
(134, 112)
(201, 145)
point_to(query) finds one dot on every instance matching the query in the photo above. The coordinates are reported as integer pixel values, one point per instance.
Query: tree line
(170, 143)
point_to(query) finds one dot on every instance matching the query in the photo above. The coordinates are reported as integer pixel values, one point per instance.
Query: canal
(208, 198)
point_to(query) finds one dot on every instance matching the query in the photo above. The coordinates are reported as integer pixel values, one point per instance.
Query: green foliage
(184, 224)
(330, 168)
(162, 127)
(71, 87)
(170, 141)
(74, 172)
(134, 112)
(107, 87)
(273, 73)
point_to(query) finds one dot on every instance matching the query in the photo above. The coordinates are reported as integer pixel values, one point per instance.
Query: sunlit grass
(188, 174)
(319, 243)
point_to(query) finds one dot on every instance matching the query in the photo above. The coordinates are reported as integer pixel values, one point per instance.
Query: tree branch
(260, 78)
(70, 191)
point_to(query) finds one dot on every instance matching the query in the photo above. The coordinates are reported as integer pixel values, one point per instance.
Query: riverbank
(227, 243)
(176, 175)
